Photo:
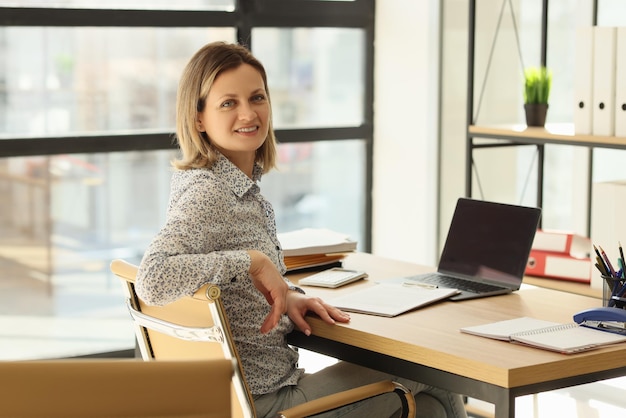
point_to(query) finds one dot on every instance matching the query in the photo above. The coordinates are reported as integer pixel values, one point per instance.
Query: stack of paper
(311, 247)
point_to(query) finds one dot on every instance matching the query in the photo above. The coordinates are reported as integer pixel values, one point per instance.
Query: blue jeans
(431, 402)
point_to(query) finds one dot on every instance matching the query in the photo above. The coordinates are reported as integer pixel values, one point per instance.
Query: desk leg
(503, 399)
(505, 406)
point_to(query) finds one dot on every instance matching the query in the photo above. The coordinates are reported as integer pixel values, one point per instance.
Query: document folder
(620, 83)
(583, 81)
(604, 81)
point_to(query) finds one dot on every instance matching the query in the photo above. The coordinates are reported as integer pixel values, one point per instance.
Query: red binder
(559, 266)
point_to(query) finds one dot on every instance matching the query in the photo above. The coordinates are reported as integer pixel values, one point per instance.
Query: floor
(606, 399)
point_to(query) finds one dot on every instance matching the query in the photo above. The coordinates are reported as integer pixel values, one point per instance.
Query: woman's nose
(246, 112)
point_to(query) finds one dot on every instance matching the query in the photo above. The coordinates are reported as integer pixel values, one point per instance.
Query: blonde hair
(194, 86)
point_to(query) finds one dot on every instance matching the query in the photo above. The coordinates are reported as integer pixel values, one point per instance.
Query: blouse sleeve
(186, 254)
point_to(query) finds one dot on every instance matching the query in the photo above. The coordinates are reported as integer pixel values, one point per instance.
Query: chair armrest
(350, 396)
(201, 293)
(124, 270)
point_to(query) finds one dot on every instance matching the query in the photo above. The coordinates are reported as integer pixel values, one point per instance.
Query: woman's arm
(192, 248)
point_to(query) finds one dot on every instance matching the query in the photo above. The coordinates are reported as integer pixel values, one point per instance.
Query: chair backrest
(115, 389)
(191, 328)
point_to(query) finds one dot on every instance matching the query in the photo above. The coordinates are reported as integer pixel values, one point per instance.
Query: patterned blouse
(215, 215)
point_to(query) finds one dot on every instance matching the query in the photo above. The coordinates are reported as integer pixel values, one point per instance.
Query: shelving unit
(520, 135)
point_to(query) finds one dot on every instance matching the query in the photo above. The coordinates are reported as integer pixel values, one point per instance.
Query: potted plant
(537, 83)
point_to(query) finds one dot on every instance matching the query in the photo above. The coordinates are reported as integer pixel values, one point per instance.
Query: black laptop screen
(489, 239)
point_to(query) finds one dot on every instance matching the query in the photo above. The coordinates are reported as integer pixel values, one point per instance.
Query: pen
(418, 284)
(621, 254)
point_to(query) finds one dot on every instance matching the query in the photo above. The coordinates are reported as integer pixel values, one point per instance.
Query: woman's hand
(298, 305)
(268, 280)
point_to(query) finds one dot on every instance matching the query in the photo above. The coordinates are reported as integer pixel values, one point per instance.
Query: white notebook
(563, 338)
(390, 299)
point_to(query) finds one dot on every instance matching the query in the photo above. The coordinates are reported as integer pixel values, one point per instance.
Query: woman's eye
(258, 98)
(228, 103)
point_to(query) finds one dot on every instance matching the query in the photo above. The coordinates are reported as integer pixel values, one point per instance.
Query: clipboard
(390, 299)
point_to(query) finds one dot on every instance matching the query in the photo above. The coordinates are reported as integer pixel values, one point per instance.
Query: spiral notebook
(563, 338)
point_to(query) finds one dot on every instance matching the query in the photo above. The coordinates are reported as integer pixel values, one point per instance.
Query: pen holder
(610, 287)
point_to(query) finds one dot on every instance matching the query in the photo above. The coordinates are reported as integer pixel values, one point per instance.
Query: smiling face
(236, 115)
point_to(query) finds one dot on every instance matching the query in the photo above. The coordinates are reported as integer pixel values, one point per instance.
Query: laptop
(486, 250)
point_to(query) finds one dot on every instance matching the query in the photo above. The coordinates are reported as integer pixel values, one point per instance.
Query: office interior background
(369, 104)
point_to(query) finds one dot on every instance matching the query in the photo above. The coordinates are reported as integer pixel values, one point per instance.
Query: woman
(220, 229)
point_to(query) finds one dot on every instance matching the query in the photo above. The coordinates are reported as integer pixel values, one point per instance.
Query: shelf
(557, 133)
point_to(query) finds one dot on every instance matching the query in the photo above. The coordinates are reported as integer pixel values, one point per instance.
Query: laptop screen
(490, 240)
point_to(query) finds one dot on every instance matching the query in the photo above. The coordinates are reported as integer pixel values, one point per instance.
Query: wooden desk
(426, 345)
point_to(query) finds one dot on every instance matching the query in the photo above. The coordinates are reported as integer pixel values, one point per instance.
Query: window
(78, 80)
(226, 5)
(317, 79)
(87, 95)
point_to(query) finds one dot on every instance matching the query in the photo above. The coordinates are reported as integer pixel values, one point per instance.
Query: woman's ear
(200, 126)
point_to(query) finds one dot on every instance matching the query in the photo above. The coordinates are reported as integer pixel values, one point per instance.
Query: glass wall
(66, 213)
(63, 218)
(86, 80)
(314, 81)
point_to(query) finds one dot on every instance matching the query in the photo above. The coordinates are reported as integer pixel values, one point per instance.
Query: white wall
(406, 101)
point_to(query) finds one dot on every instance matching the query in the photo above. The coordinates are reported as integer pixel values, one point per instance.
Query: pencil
(601, 261)
(600, 269)
(600, 266)
(608, 262)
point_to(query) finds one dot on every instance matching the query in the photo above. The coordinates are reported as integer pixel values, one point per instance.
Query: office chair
(196, 327)
(99, 388)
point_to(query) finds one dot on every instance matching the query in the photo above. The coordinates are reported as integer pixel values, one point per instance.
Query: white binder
(620, 83)
(583, 81)
(604, 80)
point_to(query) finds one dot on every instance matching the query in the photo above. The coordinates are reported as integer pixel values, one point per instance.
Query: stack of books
(315, 247)
(560, 255)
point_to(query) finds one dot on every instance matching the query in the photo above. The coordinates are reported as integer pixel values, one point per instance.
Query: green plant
(538, 81)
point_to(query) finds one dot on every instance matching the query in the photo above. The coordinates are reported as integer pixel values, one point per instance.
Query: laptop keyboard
(457, 283)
